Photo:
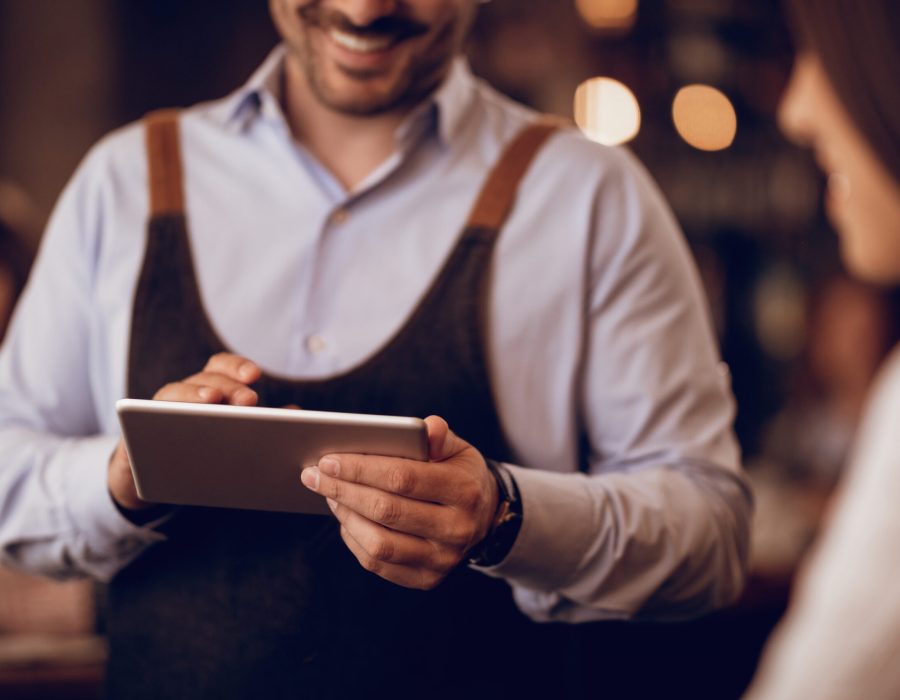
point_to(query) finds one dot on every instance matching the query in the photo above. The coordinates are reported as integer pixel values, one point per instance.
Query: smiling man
(366, 227)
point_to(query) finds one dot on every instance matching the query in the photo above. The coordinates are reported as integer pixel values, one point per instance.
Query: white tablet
(249, 457)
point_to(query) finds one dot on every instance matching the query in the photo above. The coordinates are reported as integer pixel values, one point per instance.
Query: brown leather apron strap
(164, 162)
(499, 191)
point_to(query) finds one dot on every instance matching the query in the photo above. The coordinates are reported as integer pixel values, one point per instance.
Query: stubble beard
(419, 79)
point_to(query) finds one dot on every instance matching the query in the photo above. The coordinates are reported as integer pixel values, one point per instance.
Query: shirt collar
(259, 96)
(454, 99)
(446, 108)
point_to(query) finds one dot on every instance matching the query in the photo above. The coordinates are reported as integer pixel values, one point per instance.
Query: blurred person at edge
(852, 327)
(325, 268)
(841, 635)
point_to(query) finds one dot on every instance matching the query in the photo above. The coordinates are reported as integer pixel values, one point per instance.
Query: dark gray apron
(242, 604)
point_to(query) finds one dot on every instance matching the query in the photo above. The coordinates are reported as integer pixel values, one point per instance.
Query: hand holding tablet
(408, 521)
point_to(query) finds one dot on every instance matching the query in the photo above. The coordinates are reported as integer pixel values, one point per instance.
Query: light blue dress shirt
(599, 338)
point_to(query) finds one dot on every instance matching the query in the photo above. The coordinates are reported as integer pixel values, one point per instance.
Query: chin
(866, 248)
(358, 105)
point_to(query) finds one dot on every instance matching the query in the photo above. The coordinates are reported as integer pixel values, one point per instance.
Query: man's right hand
(224, 379)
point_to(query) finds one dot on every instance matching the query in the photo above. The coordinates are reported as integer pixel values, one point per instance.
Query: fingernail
(205, 392)
(310, 478)
(247, 370)
(330, 466)
(331, 504)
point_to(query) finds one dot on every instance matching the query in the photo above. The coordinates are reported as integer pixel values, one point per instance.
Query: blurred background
(691, 86)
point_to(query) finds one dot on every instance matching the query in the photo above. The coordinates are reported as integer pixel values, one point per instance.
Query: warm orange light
(704, 117)
(607, 111)
(608, 14)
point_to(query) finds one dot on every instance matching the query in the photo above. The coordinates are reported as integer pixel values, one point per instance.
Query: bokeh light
(607, 111)
(614, 15)
(704, 117)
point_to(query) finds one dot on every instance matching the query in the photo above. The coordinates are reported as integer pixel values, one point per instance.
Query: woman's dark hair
(858, 43)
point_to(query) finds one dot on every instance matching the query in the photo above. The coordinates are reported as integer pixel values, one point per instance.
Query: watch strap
(507, 519)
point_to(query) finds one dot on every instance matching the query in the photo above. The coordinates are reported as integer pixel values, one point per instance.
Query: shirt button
(339, 216)
(315, 343)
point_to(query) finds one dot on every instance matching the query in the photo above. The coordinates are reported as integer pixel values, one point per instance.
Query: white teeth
(358, 43)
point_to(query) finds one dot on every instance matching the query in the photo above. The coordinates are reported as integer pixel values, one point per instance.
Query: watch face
(505, 513)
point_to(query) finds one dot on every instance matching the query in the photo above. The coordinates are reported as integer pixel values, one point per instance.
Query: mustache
(397, 26)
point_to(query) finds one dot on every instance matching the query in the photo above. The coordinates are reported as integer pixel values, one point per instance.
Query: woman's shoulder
(877, 454)
(884, 404)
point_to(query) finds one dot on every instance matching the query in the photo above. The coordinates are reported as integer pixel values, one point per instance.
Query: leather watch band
(506, 523)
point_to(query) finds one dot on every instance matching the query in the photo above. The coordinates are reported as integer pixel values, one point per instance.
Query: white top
(841, 636)
(599, 337)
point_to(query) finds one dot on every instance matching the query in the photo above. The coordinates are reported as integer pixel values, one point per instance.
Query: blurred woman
(841, 637)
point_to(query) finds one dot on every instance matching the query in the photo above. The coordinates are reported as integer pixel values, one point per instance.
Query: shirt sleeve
(56, 515)
(840, 637)
(657, 523)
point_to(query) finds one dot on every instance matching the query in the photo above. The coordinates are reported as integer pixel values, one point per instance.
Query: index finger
(234, 366)
(422, 481)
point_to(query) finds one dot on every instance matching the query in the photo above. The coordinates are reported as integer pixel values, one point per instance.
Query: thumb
(443, 443)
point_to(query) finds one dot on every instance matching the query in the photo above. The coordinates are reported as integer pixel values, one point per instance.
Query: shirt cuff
(106, 540)
(553, 538)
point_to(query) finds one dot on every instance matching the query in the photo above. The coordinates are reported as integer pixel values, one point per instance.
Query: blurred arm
(56, 515)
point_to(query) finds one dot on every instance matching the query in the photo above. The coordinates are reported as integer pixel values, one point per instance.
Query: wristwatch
(506, 523)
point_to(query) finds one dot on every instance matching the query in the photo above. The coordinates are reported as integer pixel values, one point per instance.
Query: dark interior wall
(71, 71)
(175, 53)
(56, 76)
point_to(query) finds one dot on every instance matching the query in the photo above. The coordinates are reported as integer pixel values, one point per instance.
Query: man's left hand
(410, 522)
